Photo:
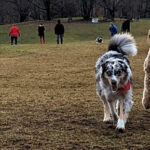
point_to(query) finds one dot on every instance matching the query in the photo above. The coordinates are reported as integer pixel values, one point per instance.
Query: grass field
(74, 32)
(47, 92)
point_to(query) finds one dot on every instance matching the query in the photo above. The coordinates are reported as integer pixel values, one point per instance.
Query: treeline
(24, 10)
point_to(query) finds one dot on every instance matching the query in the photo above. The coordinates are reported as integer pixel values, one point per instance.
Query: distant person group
(59, 31)
(124, 28)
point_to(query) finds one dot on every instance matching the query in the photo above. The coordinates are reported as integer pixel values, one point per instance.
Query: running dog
(114, 79)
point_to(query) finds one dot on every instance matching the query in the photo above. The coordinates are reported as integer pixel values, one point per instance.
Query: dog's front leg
(121, 123)
(113, 111)
(107, 113)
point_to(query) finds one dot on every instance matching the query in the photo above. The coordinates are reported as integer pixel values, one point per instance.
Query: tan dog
(148, 38)
(146, 91)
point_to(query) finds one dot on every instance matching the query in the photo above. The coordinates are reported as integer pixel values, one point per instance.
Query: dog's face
(114, 73)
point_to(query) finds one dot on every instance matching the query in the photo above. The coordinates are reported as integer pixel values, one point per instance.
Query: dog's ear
(123, 66)
(97, 68)
(104, 68)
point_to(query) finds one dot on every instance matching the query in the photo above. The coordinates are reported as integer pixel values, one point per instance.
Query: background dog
(99, 40)
(114, 79)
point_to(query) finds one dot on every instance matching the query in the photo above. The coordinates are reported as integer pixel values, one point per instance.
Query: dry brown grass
(48, 100)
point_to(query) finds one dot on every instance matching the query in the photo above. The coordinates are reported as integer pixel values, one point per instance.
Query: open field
(48, 99)
(74, 32)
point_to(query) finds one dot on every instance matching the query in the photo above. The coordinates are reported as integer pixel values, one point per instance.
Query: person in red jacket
(14, 33)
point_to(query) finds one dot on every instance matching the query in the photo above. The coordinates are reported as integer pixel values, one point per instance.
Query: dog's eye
(118, 73)
(109, 73)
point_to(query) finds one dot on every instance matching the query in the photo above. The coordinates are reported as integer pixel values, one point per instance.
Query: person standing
(59, 31)
(14, 33)
(41, 30)
(125, 26)
(113, 29)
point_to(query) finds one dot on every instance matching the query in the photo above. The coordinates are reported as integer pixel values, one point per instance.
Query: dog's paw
(108, 120)
(120, 125)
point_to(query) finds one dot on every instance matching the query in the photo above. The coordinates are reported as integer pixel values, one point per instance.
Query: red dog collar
(125, 89)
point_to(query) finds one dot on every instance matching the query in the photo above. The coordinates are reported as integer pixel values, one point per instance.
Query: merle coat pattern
(114, 79)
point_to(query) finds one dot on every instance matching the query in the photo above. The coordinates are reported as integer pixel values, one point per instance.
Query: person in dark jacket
(14, 33)
(59, 31)
(113, 29)
(41, 30)
(125, 26)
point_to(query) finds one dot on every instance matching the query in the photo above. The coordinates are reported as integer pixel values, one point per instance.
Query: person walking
(14, 33)
(113, 29)
(59, 31)
(41, 30)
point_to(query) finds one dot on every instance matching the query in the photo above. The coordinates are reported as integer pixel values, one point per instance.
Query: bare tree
(22, 10)
(68, 8)
(1, 12)
(145, 8)
(130, 9)
(110, 7)
(87, 8)
(21, 7)
(47, 6)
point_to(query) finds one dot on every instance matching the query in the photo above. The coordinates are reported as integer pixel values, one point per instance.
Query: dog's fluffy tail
(123, 43)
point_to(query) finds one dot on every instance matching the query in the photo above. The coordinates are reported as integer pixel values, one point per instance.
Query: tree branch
(36, 5)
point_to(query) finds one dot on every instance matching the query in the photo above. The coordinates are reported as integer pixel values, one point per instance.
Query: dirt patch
(48, 101)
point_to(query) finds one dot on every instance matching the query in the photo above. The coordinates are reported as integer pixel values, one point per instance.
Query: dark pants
(60, 36)
(42, 36)
(13, 38)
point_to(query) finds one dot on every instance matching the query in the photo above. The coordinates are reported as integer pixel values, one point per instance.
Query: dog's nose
(113, 82)
(147, 106)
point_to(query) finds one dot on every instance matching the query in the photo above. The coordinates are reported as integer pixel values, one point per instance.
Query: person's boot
(41, 41)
